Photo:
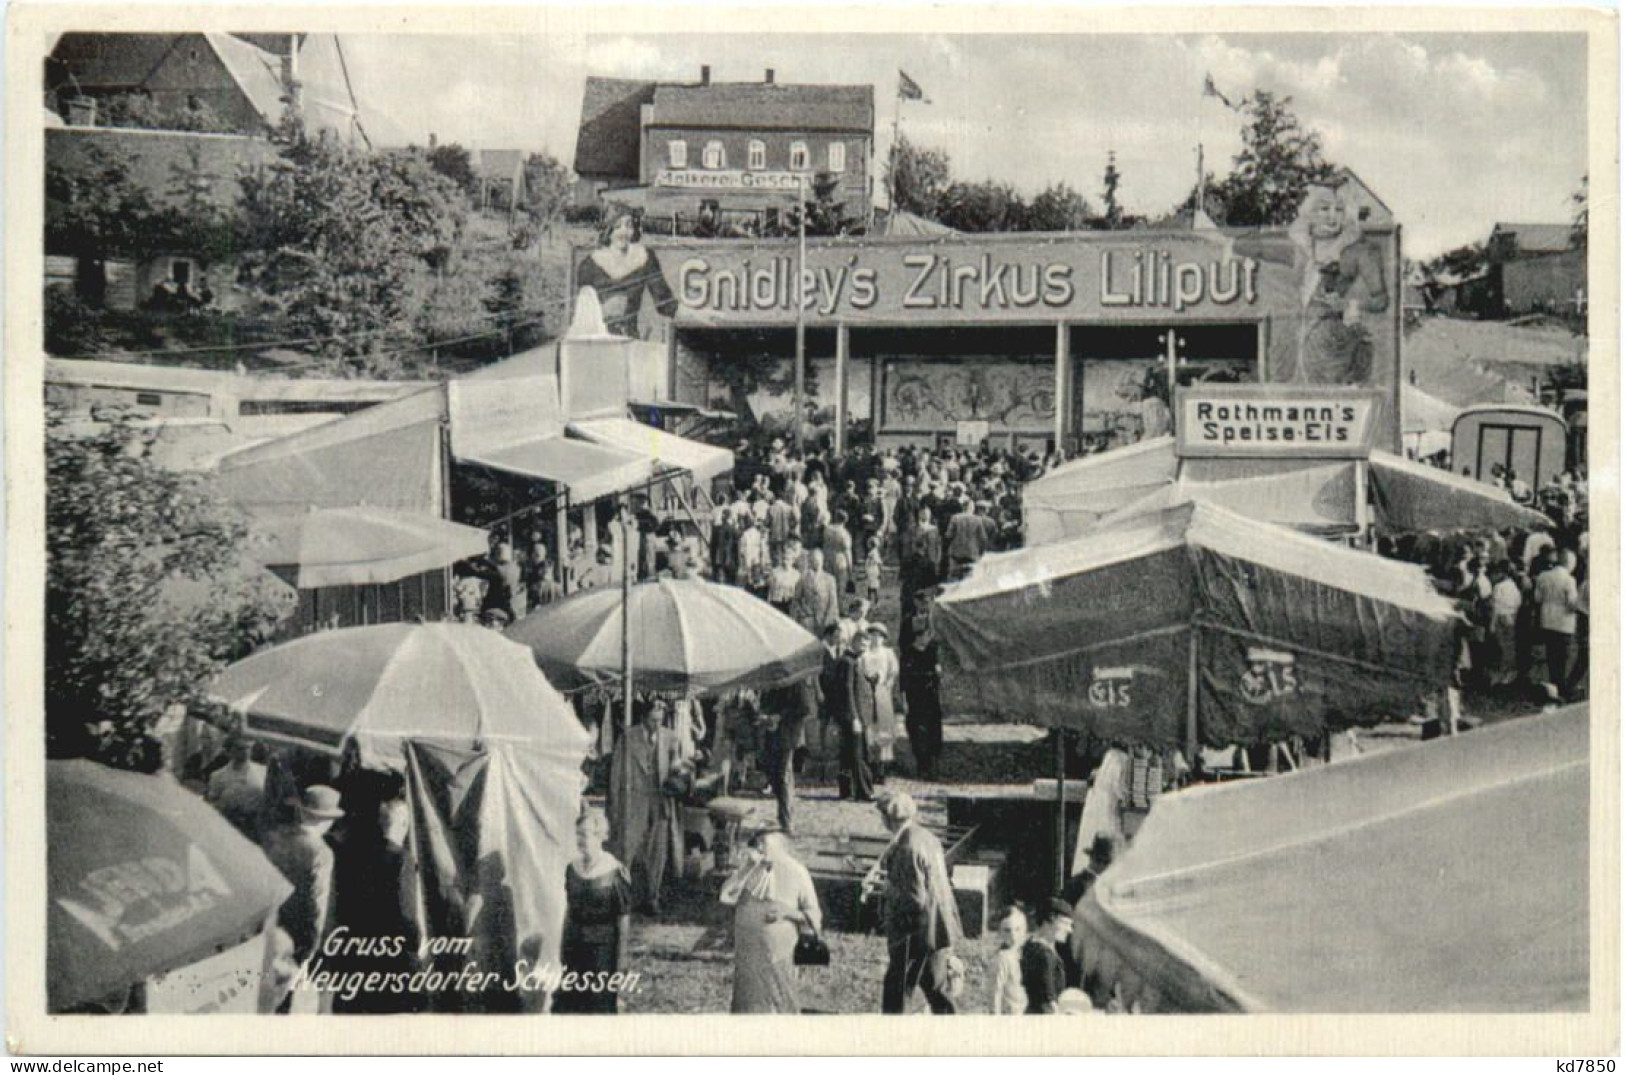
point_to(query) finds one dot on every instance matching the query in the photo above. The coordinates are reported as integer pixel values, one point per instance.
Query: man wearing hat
(1043, 975)
(300, 851)
(920, 916)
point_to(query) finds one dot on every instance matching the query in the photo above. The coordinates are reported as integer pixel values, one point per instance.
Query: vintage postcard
(518, 515)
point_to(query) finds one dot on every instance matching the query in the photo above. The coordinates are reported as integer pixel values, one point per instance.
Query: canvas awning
(668, 452)
(1293, 635)
(1414, 497)
(1449, 876)
(1074, 496)
(589, 471)
(1313, 495)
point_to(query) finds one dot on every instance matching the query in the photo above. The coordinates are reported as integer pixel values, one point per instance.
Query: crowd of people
(1524, 594)
(826, 540)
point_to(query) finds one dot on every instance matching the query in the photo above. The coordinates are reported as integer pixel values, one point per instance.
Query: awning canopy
(1074, 496)
(1414, 497)
(1293, 635)
(668, 452)
(1313, 495)
(1450, 876)
(589, 471)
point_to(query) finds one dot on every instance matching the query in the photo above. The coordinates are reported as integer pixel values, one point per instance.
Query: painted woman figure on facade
(1341, 284)
(621, 271)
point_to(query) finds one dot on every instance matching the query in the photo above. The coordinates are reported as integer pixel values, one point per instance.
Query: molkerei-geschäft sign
(1276, 421)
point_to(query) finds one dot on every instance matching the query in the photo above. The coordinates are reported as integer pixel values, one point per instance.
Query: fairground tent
(1317, 495)
(1195, 623)
(394, 455)
(1450, 876)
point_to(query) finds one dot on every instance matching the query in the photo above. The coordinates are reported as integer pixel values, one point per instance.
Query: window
(798, 156)
(149, 399)
(677, 153)
(758, 155)
(715, 156)
(837, 156)
(180, 271)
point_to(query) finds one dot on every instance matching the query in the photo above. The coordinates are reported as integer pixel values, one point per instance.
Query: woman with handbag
(776, 925)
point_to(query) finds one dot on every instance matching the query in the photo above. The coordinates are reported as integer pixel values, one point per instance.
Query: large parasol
(360, 546)
(142, 877)
(687, 636)
(451, 684)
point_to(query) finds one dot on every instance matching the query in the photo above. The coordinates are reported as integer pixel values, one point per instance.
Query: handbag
(811, 951)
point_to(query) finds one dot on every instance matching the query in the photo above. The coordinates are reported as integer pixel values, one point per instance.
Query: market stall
(491, 756)
(1194, 625)
(1386, 883)
(1316, 495)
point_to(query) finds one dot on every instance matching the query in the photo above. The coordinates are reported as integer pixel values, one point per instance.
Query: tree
(147, 593)
(1279, 159)
(1112, 217)
(140, 111)
(340, 243)
(547, 192)
(96, 210)
(982, 207)
(917, 177)
(1058, 208)
(456, 164)
(1462, 263)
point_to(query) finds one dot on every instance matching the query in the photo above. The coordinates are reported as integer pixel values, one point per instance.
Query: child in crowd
(871, 575)
(1009, 998)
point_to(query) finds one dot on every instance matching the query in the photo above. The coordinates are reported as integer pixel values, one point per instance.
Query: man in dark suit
(855, 780)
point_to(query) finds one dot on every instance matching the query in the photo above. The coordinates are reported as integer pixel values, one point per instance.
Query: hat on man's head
(897, 806)
(320, 803)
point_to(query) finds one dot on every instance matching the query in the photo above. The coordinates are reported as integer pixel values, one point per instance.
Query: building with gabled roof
(673, 148)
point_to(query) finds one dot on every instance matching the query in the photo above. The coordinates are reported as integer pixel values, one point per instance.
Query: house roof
(1536, 238)
(107, 61)
(766, 106)
(256, 72)
(607, 142)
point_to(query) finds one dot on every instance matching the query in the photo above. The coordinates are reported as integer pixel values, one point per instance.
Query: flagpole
(891, 171)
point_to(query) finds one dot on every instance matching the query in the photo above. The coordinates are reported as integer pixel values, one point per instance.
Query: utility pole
(801, 313)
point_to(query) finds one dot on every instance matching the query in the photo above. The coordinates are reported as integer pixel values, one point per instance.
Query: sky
(1454, 132)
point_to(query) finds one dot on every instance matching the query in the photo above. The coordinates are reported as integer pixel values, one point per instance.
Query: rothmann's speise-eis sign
(1279, 421)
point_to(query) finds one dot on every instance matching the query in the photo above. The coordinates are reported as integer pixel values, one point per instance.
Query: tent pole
(626, 621)
(1362, 502)
(801, 314)
(1060, 809)
(1191, 742)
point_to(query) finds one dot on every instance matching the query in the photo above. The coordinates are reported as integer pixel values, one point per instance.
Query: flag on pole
(1210, 90)
(908, 89)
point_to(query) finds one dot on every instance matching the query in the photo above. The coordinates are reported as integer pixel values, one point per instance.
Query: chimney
(705, 74)
(290, 71)
(769, 78)
(433, 141)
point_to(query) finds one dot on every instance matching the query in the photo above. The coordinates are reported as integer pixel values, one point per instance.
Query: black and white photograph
(969, 517)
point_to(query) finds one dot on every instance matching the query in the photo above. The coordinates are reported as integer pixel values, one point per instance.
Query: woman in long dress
(621, 271)
(599, 894)
(774, 903)
(876, 690)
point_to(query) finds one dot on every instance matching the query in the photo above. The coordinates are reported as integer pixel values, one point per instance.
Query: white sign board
(1276, 421)
(972, 433)
(725, 179)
